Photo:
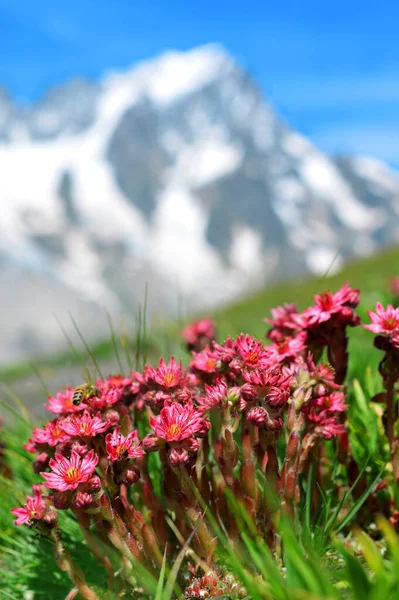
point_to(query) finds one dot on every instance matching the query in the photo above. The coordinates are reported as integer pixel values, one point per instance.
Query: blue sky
(331, 69)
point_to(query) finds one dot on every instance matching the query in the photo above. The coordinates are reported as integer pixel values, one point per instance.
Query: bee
(83, 392)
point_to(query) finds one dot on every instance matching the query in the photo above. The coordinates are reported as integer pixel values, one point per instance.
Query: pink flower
(199, 333)
(178, 422)
(257, 416)
(282, 321)
(329, 304)
(68, 473)
(330, 428)
(215, 395)
(84, 425)
(33, 510)
(62, 403)
(169, 375)
(119, 447)
(383, 320)
(204, 361)
(111, 390)
(287, 348)
(178, 456)
(252, 352)
(52, 433)
(334, 402)
(268, 378)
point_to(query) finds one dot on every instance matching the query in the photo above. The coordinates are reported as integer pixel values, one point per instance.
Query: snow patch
(322, 259)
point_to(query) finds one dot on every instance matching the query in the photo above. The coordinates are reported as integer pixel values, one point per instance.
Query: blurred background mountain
(176, 174)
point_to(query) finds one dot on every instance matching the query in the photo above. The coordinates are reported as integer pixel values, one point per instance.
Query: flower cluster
(257, 394)
(385, 324)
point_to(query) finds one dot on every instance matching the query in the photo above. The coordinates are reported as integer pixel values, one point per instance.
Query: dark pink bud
(257, 416)
(178, 456)
(80, 448)
(159, 399)
(50, 518)
(184, 395)
(210, 580)
(205, 426)
(112, 416)
(192, 445)
(249, 392)
(82, 500)
(152, 442)
(277, 397)
(61, 500)
(94, 484)
(64, 448)
(128, 476)
(41, 462)
(274, 423)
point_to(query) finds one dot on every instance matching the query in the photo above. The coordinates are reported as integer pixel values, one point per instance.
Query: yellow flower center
(169, 378)
(72, 474)
(173, 430)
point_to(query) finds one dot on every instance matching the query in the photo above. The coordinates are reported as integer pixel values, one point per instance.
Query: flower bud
(50, 518)
(159, 399)
(184, 395)
(152, 442)
(274, 423)
(191, 445)
(112, 417)
(249, 392)
(41, 462)
(82, 500)
(210, 580)
(61, 500)
(80, 447)
(178, 456)
(41, 488)
(257, 416)
(128, 476)
(94, 484)
(64, 448)
(277, 397)
(234, 395)
(205, 426)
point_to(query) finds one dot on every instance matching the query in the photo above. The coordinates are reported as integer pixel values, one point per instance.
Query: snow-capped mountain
(177, 173)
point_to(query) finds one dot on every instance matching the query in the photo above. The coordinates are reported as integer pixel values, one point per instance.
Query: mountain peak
(178, 172)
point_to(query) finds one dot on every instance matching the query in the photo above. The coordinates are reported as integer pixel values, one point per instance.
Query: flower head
(178, 422)
(169, 375)
(84, 425)
(384, 320)
(199, 333)
(119, 447)
(252, 352)
(204, 361)
(52, 433)
(287, 348)
(68, 473)
(33, 510)
(328, 304)
(62, 403)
